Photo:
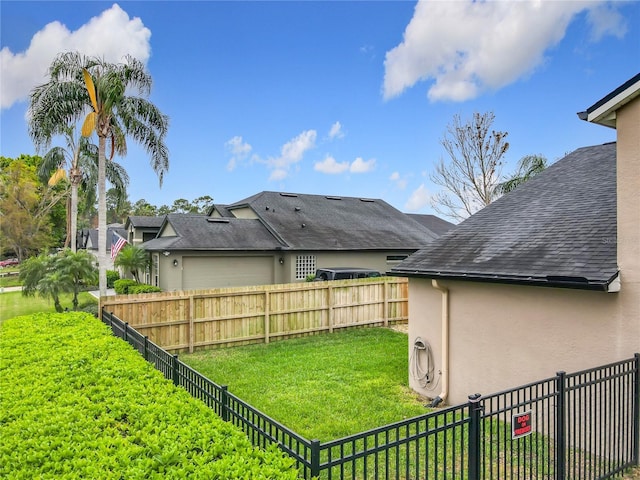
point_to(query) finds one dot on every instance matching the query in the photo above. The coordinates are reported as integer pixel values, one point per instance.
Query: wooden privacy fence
(188, 320)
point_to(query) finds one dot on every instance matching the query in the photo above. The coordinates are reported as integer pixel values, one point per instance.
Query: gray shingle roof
(142, 221)
(200, 232)
(558, 229)
(436, 224)
(317, 222)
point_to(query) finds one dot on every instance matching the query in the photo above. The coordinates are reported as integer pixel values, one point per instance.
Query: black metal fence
(583, 425)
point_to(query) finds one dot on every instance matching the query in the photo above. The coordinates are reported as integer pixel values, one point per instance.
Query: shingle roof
(436, 224)
(317, 222)
(200, 232)
(558, 229)
(142, 221)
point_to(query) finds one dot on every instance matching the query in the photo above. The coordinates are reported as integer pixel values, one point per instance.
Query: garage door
(213, 272)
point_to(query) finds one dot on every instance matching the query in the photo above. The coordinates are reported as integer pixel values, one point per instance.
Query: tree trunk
(74, 214)
(102, 217)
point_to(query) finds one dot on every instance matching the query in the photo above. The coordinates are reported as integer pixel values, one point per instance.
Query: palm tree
(528, 166)
(79, 83)
(78, 270)
(81, 157)
(133, 259)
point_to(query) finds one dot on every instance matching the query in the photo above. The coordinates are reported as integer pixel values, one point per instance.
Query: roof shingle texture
(561, 223)
(198, 232)
(317, 222)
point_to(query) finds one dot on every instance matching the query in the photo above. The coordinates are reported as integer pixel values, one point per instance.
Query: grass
(9, 277)
(324, 386)
(14, 304)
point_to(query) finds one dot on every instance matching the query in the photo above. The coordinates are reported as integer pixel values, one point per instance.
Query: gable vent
(333, 198)
(217, 220)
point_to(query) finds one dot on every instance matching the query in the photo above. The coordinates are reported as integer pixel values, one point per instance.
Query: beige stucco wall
(502, 336)
(628, 178)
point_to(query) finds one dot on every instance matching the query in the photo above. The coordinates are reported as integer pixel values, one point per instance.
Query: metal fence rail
(583, 425)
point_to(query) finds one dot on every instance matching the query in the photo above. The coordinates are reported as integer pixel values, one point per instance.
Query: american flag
(117, 242)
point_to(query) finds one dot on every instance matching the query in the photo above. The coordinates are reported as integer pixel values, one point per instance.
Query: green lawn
(14, 304)
(324, 386)
(9, 277)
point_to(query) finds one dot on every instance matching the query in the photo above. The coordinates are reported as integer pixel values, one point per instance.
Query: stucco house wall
(501, 336)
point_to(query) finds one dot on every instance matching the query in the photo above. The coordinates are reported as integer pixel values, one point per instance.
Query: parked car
(343, 273)
(9, 262)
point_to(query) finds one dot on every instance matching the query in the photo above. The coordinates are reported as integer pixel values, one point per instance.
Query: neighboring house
(141, 229)
(546, 278)
(91, 240)
(276, 237)
(433, 223)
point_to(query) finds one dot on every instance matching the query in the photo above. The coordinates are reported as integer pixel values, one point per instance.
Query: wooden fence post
(385, 287)
(331, 299)
(192, 333)
(267, 326)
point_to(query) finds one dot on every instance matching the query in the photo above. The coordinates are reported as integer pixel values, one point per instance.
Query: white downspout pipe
(444, 392)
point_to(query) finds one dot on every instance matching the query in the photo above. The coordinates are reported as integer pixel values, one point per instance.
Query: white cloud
(468, 47)
(419, 199)
(362, 166)
(330, 166)
(291, 153)
(239, 150)
(606, 20)
(400, 182)
(336, 131)
(111, 35)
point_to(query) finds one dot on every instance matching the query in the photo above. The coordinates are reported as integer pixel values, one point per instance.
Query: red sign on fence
(521, 424)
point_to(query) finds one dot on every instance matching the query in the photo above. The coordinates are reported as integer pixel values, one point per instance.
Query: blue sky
(333, 98)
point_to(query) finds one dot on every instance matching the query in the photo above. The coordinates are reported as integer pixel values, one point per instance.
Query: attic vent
(297, 209)
(369, 200)
(217, 220)
(291, 195)
(333, 198)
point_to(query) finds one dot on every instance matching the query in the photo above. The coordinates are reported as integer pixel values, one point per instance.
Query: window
(305, 266)
(156, 268)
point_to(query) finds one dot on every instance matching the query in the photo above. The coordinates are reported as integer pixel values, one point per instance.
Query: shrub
(143, 288)
(122, 286)
(112, 276)
(76, 402)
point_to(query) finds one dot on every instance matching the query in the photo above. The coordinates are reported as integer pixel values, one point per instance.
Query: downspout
(445, 344)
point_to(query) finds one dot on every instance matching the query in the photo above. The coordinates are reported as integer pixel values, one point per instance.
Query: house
(545, 278)
(90, 240)
(142, 228)
(275, 237)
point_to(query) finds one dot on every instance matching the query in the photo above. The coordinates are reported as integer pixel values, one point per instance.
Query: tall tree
(26, 206)
(528, 166)
(475, 162)
(77, 83)
(81, 158)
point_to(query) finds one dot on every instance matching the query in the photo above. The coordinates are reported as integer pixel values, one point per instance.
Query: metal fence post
(636, 412)
(125, 334)
(146, 347)
(560, 425)
(315, 458)
(224, 402)
(475, 410)
(174, 361)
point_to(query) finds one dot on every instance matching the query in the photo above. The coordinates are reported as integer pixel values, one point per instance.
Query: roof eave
(603, 112)
(553, 282)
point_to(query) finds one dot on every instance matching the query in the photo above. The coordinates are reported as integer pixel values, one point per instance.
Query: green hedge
(143, 288)
(112, 276)
(76, 402)
(122, 286)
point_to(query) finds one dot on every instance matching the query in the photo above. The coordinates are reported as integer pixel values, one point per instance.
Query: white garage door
(213, 272)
